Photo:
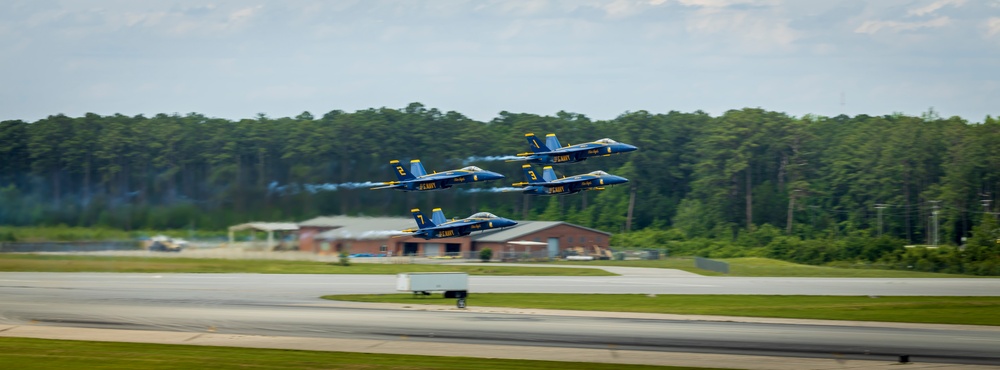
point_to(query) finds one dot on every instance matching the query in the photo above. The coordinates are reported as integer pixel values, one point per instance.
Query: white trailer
(453, 284)
(426, 282)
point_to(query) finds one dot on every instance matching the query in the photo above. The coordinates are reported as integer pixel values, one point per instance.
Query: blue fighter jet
(549, 184)
(417, 178)
(439, 226)
(551, 152)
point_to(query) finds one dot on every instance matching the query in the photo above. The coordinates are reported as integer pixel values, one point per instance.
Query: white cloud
(933, 7)
(522, 8)
(243, 14)
(992, 27)
(754, 31)
(873, 27)
(720, 4)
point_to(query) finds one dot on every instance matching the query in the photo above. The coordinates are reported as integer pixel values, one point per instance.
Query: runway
(288, 306)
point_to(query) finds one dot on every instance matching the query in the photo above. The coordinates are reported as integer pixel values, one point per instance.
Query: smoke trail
(379, 234)
(294, 188)
(370, 234)
(490, 158)
(492, 190)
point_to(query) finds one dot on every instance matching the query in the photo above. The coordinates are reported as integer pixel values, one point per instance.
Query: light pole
(934, 227)
(880, 207)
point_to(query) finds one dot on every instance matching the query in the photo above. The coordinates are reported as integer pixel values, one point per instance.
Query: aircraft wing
(568, 149)
(443, 176)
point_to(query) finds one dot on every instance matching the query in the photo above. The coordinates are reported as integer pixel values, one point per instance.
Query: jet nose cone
(629, 148)
(613, 180)
(493, 175)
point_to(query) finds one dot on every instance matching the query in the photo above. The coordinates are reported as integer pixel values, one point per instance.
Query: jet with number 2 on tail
(417, 178)
(440, 227)
(552, 152)
(549, 184)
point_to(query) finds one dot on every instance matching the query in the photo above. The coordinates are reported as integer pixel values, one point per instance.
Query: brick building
(375, 235)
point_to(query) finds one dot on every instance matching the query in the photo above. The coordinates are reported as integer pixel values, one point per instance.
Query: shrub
(486, 254)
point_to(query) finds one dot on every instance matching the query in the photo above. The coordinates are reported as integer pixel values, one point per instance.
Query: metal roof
(524, 228)
(363, 228)
(266, 226)
(360, 228)
(326, 221)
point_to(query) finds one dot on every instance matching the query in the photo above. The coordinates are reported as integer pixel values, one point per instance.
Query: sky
(598, 58)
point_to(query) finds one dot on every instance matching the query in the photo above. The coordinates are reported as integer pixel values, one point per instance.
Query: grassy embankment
(42, 354)
(765, 267)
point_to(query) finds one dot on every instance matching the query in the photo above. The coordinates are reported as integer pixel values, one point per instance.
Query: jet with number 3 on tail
(417, 179)
(550, 184)
(440, 227)
(552, 152)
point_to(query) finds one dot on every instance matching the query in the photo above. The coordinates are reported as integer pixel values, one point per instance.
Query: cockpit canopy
(472, 168)
(599, 173)
(483, 215)
(606, 141)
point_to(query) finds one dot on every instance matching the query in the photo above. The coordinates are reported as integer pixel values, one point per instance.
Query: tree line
(748, 182)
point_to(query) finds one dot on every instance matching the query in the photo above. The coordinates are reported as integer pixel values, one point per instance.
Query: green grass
(30, 354)
(765, 267)
(70, 263)
(936, 310)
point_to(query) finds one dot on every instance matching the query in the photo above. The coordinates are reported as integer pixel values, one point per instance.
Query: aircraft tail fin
(536, 144)
(548, 174)
(530, 174)
(401, 173)
(438, 216)
(422, 222)
(417, 168)
(552, 142)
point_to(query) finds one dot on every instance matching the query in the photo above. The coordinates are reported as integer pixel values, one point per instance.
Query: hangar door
(553, 247)
(432, 249)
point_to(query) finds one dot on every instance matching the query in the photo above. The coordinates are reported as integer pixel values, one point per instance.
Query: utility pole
(631, 205)
(934, 227)
(880, 207)
(791, 211)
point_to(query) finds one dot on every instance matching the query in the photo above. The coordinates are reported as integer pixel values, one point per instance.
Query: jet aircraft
(440, 227)
(417, 178)
(552, 152)
(549, 184)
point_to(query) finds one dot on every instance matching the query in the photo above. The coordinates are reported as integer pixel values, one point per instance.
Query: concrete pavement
(404, 346)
